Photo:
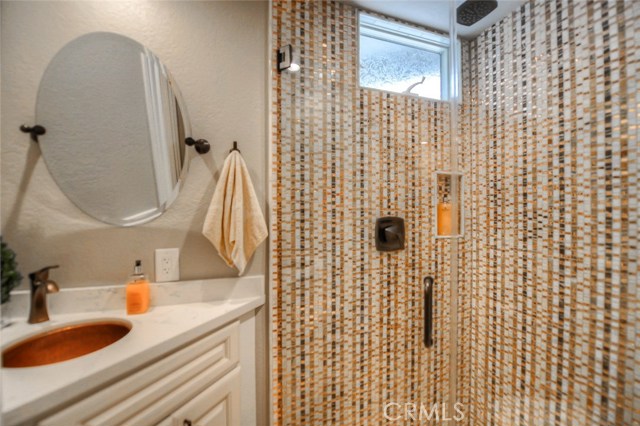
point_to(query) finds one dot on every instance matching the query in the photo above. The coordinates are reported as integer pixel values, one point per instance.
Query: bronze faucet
(40, 286)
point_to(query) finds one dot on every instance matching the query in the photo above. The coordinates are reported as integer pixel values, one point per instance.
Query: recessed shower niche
(448, 199)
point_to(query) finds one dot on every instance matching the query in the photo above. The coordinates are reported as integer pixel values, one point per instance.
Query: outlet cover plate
(167, 265)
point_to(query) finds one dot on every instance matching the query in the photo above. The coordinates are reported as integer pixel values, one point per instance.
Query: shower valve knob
(389, 233)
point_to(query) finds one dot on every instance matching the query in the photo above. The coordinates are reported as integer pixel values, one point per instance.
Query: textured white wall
(217, 53)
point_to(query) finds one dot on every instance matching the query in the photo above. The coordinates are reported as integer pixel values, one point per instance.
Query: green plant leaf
(11, 278)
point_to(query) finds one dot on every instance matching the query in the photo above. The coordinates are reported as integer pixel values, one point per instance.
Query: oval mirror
(115, 127)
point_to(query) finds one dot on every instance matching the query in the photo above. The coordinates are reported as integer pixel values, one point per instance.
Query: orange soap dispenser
(137, 291)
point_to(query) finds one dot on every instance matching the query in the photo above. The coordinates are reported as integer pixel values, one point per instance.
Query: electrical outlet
(167, 265)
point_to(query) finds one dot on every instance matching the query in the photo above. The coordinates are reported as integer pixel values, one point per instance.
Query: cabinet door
(218, 405)
(153, 393)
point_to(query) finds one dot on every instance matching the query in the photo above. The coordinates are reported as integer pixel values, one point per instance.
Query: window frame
(391, 31)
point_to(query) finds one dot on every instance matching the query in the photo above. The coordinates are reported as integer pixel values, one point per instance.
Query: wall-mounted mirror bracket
(34, 131)
(201, 145)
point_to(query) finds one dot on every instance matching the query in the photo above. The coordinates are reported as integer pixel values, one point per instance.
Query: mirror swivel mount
(34, 131)
(202, 146)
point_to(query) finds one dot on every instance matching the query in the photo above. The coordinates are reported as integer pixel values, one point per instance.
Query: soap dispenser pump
(137, 291)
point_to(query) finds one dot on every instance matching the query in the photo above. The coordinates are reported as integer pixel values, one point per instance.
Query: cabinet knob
(186, 422)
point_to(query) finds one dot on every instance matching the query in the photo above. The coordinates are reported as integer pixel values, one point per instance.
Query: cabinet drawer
(163, 386)
(218, 405)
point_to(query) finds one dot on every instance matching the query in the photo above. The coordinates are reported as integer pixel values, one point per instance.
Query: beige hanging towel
(234, 223)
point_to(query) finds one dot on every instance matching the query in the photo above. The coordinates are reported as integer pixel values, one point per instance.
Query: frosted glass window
(402, 59)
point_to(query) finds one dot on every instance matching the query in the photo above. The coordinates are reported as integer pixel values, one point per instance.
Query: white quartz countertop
(30, 392)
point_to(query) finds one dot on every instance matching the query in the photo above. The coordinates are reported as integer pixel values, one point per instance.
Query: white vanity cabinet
(194, 358)
(198, 384)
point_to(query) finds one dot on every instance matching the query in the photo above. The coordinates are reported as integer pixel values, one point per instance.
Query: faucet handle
(41, 275)
(40, 286)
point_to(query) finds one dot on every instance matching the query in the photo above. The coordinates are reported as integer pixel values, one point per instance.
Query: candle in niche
(445, 219)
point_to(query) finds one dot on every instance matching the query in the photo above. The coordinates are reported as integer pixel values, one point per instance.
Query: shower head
(471, 11)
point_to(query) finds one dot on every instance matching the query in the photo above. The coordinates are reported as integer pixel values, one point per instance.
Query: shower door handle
(428, 312)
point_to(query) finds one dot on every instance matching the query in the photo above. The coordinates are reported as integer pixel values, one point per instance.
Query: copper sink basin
(64, 343)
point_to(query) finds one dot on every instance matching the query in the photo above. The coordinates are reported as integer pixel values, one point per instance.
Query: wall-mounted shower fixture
(447, 203)
(389, 233)
(472, 11)
(286, 60)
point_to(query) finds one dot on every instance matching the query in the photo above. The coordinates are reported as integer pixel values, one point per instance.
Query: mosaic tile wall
(550, 258)
(347, 319)
(548, 268)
